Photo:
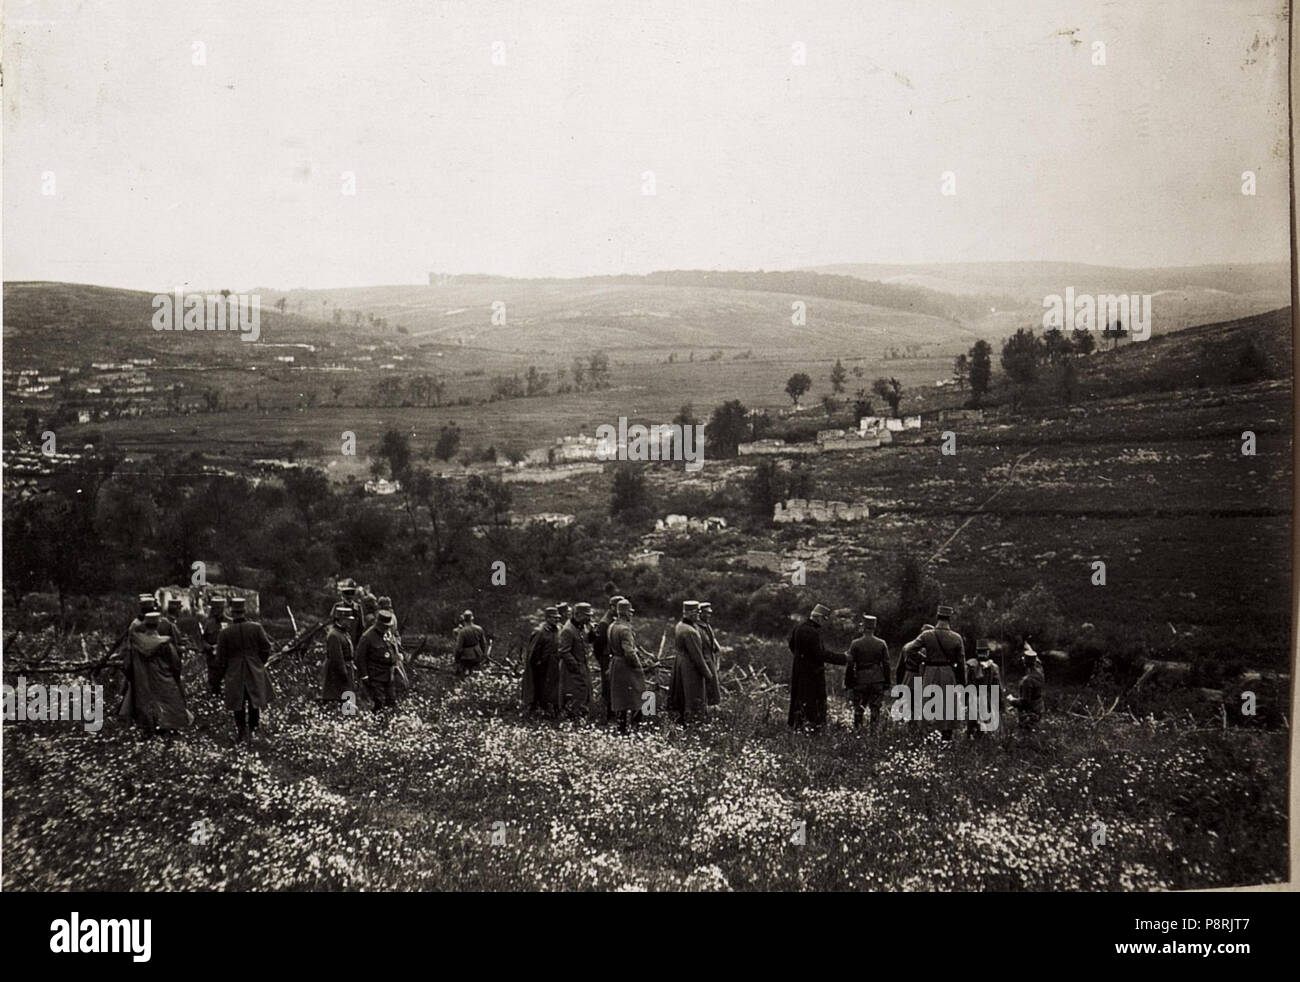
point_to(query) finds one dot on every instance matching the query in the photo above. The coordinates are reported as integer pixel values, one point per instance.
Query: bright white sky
(229, 173)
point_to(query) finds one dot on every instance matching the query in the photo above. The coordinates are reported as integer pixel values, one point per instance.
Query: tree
(1055, 345)
(309, 488)
(579, 373)
(728, 426)
(448, 442)
(797, 385)
(1084, 342)
(394, 449)
(981, 369)
(1020, 356)
(536, 382)
(861, 406)
(891, 390)
(279, 305)
(1116, 332)
(337, 389)
(629, 497)
(598, 370)
(960, 367)
(829, 405)
(838, 375)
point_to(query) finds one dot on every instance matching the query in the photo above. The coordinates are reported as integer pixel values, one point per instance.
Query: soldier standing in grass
(155, 697)
(212, 626)
(575, 671)
(808, 671)
(910, 665)
(242, 651)
(870, 668)
(376, 656)
(146, 602)
(945, 661)
(600, 648)
(688, 692)
(471, 644)
(338, 673)
(541, 684)
(626, 674)
(169, 626)
(1029, 704)
(348, 595)
(984, 674)
(712, 652)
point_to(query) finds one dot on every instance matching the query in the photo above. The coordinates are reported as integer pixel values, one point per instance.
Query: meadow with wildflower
(458, 790)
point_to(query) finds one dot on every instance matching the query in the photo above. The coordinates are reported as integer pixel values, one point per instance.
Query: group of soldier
(364, 653)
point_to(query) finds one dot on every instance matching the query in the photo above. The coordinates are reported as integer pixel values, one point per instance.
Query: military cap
(943, 612)
(582, 608)
(563, 605)
(347, 589)
(551, 612)
(705, 605)
(217, 602)
(467, 615)
(821, 610)
(385, 617)
(869, 621)
(146, 598)
(152, 618)
(1030, 652)
(625, 605)
(238, 603)
(981, 645)
(690, 606)
(615, 600)
(385, 603)
(174, 602)
(342, 610)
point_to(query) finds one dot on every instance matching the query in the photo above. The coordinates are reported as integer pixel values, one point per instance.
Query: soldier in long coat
(338, 672)
(348, 595)
(688, 692)
(242, 652)
(870, 668)
(712, 652)
(945, 662)
(600, 648)
(984, 675)
(541, 684)
(808, 671)
(212, 626)
(155, 696)
(376, 658)
(147, 602)
(471, 644)
(1029, 703)
(626, 673)
(575, 670)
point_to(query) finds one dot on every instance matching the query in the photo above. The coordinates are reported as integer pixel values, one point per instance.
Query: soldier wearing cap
(386, 603)
(600, 648)
(155, 696)
(169, 626)
(911, 663)
(945, 661)
(376, 655)
(626, 673)
(369, 607)
(348, 596)
(868, 673)
(242, 652)
(338, 673)
(1029, 704)
(541, 684)
(984, 675)
(688, 691)
(712, 652)
(146, 602)
(808, 671)
(471, 644)
(212, 626)
(575, 671)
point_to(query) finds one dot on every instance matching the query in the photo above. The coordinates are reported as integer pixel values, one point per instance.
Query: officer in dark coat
(808, 671)
(869, 669)
(626, 673)
(688, 692)
(541, 684)
(155, 697)
(348, 596)
(600, 648)
(242, 652)
(147, 602)
(712, 653)
(471, 644)
(984, 675)
(338, 672)
(376, 656)
(945, 663)
(575, 670)
(1029, 704)
(212, 626)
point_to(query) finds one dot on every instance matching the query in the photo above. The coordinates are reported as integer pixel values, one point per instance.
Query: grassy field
(412, 802)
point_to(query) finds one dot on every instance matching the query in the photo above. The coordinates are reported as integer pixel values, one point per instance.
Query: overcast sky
(230, 172)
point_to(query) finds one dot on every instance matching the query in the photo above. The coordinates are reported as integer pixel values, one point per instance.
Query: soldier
(870, 669)
(155, 696)
(348, 595)
(564, 610)
(945, 661)
(369, 608)
(1029, 704)
(600, 648)
(212, 626)
(808, 671)
(911, 662)
(688, 692)
(169, 626)
(984, 674)
(386, 603)
(626, 673)
(541, 685)
(376, 655)
(147, 602)
(575, 671)
(338, 673)
(471, 644)
(712, 651)
(242, 651)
